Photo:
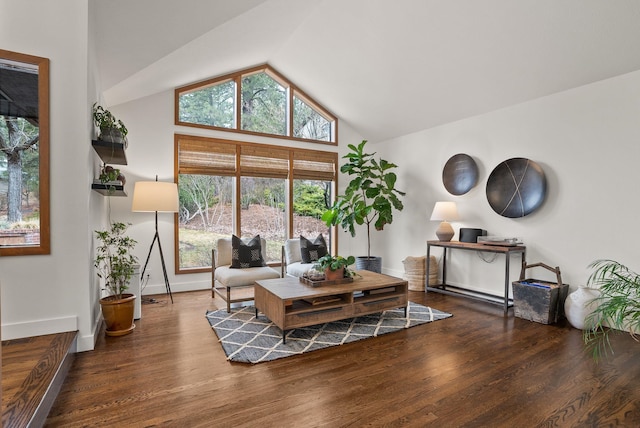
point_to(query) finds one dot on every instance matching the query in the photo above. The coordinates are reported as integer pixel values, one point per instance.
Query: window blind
(314, 165)
(210, 156)
(205, 156)
(264, 161)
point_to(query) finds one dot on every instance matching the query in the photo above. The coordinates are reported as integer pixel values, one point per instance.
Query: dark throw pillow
(311, 251)
(246, 255)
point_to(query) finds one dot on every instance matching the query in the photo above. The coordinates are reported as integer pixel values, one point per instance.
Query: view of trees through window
(212, 203)
(212, 105)
(265, 106)
(207, 212)
(308, 123)
(19, 182)
(262, 212)
(311, 198)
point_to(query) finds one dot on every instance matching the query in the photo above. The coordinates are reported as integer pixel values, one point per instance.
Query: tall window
(262, 212)
(24, 154)
(206, 203)
(256, 101)
(248, 189)
(310, 201)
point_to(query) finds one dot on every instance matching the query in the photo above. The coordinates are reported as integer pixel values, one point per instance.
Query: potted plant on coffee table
(335, 267)
(369, 199)
(115, 264)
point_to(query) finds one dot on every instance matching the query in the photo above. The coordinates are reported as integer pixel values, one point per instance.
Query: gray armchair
(232, 284)
(292, 264)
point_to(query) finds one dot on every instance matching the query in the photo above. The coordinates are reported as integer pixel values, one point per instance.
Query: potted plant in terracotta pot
(335, 267)
(112, 130)
(369, 199)
(115, 264)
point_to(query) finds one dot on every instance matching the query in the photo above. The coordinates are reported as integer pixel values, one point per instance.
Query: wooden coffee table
(290, 304)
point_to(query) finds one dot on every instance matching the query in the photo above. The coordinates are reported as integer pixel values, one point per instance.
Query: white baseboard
(176, 288)
(39, 327)
(88, 342)
(393, 272)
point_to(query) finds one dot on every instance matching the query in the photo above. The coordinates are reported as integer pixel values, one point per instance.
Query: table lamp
(444, 212)
(154, 196)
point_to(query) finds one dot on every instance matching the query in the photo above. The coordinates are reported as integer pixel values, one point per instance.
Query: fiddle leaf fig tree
(369, 198)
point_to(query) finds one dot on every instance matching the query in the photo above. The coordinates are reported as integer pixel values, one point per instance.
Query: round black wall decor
(516, 187)
(460, 174)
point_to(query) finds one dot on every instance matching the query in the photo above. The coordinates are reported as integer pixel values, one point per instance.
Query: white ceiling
(387, 68)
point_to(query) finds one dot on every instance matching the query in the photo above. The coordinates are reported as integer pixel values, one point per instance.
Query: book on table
(323, 299)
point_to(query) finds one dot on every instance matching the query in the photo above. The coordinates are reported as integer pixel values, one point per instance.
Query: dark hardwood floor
(33, 370)
(476, 369)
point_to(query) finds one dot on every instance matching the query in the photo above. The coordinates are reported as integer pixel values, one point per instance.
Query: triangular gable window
(255, 101)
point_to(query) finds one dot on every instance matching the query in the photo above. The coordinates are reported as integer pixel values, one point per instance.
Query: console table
(507, 250)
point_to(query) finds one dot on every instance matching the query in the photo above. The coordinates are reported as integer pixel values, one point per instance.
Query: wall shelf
(109, 189)
(110, 153)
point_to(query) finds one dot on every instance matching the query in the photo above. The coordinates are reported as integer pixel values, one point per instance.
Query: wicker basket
(415, 271)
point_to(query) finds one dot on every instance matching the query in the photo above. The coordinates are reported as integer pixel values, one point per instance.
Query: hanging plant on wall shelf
(112, 129)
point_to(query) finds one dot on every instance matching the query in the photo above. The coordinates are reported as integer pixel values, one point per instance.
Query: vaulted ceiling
(387, 68)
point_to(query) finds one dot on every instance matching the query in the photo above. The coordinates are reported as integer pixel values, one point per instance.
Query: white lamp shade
(151, 196)
(444, 211)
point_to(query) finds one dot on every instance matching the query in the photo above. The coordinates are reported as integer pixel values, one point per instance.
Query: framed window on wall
(24, 154)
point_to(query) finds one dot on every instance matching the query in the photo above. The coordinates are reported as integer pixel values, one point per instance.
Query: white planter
(579, 305)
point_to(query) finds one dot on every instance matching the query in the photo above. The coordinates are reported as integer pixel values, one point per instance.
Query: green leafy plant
(334, 263)
(369, 198)
(617, 307)
(108, 174)
(114, 260)
(104, 120)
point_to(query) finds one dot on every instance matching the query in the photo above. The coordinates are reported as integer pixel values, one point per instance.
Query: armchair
(233, 284)
(292, 264)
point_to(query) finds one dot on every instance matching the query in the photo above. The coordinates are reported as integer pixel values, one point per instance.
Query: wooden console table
(507, 250)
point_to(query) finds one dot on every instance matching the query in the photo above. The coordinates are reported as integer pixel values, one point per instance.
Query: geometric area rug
(249, 339)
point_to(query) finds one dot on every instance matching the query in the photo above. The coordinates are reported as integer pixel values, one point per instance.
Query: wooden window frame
(291, 89)
(294, 157)
(44, 247)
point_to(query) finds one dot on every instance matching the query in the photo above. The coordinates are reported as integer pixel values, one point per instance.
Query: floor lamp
(155, 196)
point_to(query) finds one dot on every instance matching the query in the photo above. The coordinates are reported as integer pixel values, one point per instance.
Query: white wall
(49, 293)
(587, 142)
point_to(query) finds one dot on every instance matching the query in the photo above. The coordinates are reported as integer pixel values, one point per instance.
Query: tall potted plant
(115, 264)
(617, 307)
(369, 199)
